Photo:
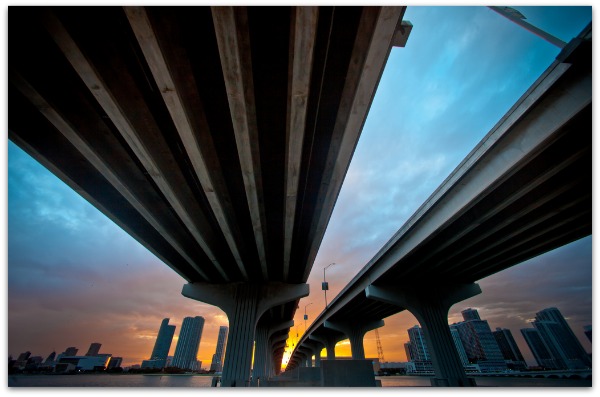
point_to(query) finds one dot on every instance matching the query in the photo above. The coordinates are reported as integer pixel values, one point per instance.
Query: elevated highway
(218, 137)
(525, 189)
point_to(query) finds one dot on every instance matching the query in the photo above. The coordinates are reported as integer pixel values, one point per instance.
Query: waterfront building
(50, 359)
(70, 351)
(162, 345)
(94, 349)
(188, 343)
(217, 359)
(459, 346)
(83, 363)
(588, 331)
(565, 348)
(510, 351)
(115, 362)
(538, 347)
(470, 314)
(479, 343)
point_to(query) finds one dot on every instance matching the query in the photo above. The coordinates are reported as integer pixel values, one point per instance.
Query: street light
(325, 285)
(305, 315)
(518, 18)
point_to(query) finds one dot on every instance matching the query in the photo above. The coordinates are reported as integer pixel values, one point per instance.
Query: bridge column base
(244, 304)
(431, 309)
(355, 333)
(329, 343)
(263, 349)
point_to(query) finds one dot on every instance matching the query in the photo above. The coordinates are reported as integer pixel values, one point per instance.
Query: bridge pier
(431, 309)
(278, 344)
(263, 349)
(355, 333)
(316, 350)
(329, 341)
(244, 304)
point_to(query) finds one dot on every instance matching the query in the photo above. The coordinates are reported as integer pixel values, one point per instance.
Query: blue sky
(461, 70)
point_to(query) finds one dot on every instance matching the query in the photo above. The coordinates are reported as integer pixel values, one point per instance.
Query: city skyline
(69, 266)
(421, 353)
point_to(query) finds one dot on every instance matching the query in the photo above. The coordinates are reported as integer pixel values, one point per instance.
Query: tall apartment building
(538, 347)
(217, 359)
(419, 353)
(565, 348)
(479, 343)
(158, 358)
(510, 351)
(188, 343)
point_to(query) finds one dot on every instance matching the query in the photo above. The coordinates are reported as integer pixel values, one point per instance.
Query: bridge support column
(356, 333)
(244, 304)
(329, 343)
(275, 366)
(263, 349)
(431, 309)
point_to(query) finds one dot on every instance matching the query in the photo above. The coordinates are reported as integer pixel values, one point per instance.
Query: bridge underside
(218, 137)
(524, 190)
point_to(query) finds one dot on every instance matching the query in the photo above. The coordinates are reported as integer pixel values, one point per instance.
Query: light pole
(325, 285)
(305, 315)
(518, 18)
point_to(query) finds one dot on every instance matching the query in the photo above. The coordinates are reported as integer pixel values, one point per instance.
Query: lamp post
(518, 18)
(305, 315)
(325, 285)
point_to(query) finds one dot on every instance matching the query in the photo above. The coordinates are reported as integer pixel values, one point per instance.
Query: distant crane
(379, 348)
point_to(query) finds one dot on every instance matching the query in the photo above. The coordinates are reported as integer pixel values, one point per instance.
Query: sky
(74, 277)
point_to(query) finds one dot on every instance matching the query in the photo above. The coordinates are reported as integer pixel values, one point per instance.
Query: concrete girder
(231, 28)
(303, 34)
(244, 304)
(212, 182)
(368, 60)
(356, 333)
(431, 308)
(174, 190)
(99, 163)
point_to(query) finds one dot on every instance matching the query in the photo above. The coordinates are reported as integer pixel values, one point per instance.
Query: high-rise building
(459, 346)
(479, 343)
(588, 331)
(470, 314)
(540, 351)
(50, 359)
(188, 343)
(94, 349)
(510, 351)
(562, 343)
(419, 353)
(115, 362)
(162, 345)
(408, 351)
(217, 360)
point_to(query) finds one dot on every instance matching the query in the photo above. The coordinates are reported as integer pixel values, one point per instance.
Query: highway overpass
(525, 189)
(218, 137)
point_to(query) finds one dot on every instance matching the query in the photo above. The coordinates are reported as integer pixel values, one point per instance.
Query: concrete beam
(145, 35)
(231, 28)
(244, 304)
(303, 35)
(370, 53)
(136, 140)
(97, 161)
(431, 307)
